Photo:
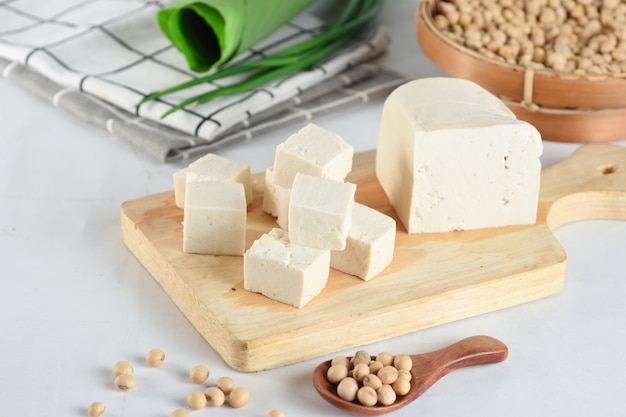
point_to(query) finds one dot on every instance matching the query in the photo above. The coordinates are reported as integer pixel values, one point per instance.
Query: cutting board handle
(589, 185)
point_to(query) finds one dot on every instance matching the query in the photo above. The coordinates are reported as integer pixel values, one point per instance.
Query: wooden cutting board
(433, 279)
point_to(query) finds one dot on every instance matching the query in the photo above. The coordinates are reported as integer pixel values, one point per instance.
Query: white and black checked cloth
(98, 58)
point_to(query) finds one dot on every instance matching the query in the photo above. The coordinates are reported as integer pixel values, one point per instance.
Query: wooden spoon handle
(428, 368)
(473, 350)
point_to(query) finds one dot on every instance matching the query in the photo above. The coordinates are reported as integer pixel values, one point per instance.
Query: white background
(74, 300)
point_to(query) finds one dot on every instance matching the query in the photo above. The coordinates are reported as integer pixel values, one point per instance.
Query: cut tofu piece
(214, 220)
(276, 199)
(452, 156)
(369, 246)
(216, 168)
(313, 151)
(320, 212)
(283, 271)
(270, 199)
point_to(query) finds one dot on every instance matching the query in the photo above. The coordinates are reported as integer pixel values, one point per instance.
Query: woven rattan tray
(563, 107)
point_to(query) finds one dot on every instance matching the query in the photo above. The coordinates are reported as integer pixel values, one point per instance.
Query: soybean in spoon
(427, 369)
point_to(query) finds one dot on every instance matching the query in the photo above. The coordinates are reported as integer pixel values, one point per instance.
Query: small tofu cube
(216, 168)
(214, 219)
(320, 211)
(270, 199)
(283, 271)
(276, 199)
(313, 151)
(370, 244)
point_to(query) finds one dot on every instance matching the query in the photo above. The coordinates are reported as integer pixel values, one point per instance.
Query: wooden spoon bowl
(427, 369)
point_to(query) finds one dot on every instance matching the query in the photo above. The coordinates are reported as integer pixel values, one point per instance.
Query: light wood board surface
(433, 279)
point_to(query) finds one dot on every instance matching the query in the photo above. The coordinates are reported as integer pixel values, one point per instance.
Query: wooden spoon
(427, 369)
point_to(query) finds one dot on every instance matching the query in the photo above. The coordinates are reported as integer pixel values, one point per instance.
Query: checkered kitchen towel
(98, 58)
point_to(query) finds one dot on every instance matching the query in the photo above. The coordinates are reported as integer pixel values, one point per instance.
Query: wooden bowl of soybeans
(558, 64)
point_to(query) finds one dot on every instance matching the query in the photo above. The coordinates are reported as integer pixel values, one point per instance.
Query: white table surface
(74, 300)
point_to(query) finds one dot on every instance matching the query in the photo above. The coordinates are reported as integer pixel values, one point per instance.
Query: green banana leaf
(209, 33)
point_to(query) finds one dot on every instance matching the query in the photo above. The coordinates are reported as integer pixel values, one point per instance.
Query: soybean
(361, 356)
(360, 370)
(199, 374)
(155, 358)
(385, 358)
(375, 366)
(214, 396)
(388, 374)
(226, 384)
(386, 395)
(124, 382)
(196, 400)
(367, 395)
(401, 386)
(122, 367)
(238, 397)
(336, 373)
(95, 409)
(403, 362)
(347, 389)
(372, 381)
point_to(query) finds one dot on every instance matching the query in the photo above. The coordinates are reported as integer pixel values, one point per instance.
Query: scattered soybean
(199, 374)
(214, 396)
(238, 397)
(122, 367)
(155, 358)
(196, 400)
(124, 382)
(95, 409)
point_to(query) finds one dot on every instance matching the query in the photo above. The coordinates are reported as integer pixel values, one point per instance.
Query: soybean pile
(584, 37)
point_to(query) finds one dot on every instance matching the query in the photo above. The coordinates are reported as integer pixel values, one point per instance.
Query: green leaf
(209, 33)
(304, 55)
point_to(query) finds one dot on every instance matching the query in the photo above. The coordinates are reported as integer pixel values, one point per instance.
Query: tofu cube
(313, 151)
(217, 168)
(214, 220)
(370, 244)
(270, 199)
(276, 200)
(283, 271)
(451, 156)
(320, 211)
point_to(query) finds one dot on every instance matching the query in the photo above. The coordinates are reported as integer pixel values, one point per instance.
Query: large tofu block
(214, 219)
(276, 199)
(283, 271)
(320, 212)
(452, 156)
(313, 151)
(369, 246)
(216, 168)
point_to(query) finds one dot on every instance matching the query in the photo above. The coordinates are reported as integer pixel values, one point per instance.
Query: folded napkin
(97, 59)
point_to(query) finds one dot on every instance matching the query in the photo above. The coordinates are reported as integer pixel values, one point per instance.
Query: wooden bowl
(563, 107)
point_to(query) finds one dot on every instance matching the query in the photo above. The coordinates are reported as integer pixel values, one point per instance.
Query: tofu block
(276, 199)
(369, 246)
(320, 211)
(452, 156)
(313, 151)
(214, 220)
(284, 271)
(217, 168)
